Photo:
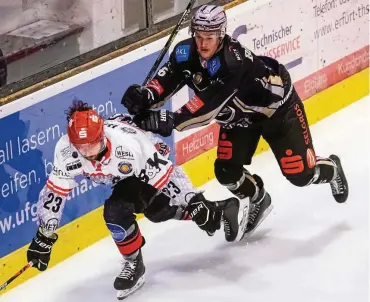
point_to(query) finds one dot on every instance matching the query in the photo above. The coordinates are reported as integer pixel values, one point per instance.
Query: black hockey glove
(40, 249)
(205, 214)
(160, 122)
(137, 99)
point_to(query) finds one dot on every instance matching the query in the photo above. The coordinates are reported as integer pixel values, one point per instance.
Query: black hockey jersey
(235, 87)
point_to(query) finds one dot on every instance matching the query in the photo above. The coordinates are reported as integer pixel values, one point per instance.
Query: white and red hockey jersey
(131, 151)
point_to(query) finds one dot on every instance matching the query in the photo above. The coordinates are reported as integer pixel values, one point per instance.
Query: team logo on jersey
(151, 171)
(123, 154)
(213, 66)
(182, 53)
(125, 167)
(152, 168)
(197, 78)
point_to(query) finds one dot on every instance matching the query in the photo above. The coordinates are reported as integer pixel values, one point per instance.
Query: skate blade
(263, 217)
(123, 294)
(243, 223)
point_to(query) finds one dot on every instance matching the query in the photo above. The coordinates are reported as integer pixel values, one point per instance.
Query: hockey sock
(325, 170)
(128, 241)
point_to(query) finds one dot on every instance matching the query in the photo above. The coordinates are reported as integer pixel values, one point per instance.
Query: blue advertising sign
(27, 145)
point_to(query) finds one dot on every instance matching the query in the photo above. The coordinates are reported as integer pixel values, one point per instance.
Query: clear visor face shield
(91, 150)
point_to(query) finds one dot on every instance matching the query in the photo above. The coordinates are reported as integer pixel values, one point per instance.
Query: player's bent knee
(237, 179)
(302, 179)
(227, 173)
(119, 213)
(120, 220)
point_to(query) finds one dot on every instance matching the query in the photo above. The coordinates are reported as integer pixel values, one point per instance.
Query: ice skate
(259, 210)
(131, 277)
(230, 217)
(254, 211)
(339, 185)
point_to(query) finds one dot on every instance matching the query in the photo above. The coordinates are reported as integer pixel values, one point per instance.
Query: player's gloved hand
(137, 99)
(160, 122)
(40, 249)
(205, 214)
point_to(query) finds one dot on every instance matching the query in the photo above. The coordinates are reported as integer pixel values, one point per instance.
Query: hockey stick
(16, 275)
(168, 43)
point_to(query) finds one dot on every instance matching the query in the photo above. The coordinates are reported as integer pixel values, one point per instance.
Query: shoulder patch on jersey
(213, 66)
(182, 53)
(125, 167)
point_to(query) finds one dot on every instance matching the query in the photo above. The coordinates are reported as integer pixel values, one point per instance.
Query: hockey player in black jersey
(249, 96)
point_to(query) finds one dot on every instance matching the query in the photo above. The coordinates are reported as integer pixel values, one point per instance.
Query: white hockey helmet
(209, 18)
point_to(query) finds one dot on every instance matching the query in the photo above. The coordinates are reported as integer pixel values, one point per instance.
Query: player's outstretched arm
(50, 208)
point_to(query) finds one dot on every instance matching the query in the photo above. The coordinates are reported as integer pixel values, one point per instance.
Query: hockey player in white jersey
(114, 152)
